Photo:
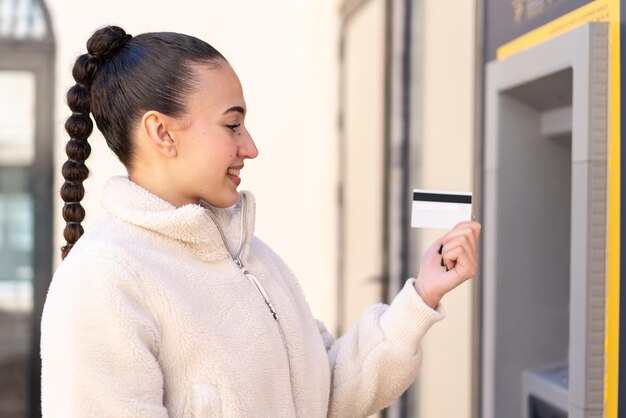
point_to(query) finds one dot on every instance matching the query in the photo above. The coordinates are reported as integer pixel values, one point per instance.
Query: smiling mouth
(233, 171)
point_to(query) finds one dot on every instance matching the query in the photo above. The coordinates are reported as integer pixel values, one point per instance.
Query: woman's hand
(448, 262)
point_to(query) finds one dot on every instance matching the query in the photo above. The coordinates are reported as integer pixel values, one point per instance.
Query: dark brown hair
(117, 80)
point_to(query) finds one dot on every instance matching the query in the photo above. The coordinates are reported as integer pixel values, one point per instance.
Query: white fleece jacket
(150, 316)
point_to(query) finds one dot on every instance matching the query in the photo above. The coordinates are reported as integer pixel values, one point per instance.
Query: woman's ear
(155, 127)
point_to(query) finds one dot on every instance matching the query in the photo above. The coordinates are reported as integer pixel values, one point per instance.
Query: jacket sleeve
(377, 359)
(99, 344)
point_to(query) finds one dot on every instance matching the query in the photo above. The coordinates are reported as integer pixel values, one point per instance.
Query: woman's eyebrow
(236, 109)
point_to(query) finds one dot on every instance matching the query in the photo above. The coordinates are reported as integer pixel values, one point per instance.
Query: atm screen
(538, 408)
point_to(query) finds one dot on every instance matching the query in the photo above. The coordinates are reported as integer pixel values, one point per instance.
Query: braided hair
(119, 79)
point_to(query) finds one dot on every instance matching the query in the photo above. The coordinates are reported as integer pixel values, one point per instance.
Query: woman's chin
(224, 201)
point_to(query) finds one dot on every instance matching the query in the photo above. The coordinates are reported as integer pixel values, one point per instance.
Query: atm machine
(544, 180)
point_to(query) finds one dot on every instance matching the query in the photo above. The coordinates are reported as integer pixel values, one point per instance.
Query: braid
(79, 126)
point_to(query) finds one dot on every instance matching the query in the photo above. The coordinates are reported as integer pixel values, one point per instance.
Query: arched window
(26, 144)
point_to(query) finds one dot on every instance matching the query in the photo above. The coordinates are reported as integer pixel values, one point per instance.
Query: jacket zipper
(251, 278)
(258, 286)
(237, 259)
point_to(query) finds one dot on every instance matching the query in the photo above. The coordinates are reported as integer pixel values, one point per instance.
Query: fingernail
(440, 249)
(442, 264)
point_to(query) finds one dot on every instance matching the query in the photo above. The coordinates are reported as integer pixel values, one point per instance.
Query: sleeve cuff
(408, 318)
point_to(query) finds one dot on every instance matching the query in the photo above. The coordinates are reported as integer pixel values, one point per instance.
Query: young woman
(169, 306)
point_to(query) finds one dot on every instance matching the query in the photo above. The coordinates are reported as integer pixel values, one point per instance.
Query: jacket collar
(190, 223)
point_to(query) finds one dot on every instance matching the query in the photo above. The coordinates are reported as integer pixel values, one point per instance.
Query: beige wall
(285, 54)
(447, 163)
(362, 164)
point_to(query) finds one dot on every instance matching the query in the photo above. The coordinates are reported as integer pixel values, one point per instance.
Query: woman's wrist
(428, 297)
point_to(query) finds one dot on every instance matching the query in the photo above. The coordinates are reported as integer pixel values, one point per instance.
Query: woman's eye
(233, 127)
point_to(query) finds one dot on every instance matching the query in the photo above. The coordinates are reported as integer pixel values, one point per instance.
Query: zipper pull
(243, 268)
(255, 282)
(239, 264)
(272, 311)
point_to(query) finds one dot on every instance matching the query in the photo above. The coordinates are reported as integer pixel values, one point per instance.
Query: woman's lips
(234, 179)
(233, 174)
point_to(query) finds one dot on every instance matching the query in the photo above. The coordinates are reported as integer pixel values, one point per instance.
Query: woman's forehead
(218, 88)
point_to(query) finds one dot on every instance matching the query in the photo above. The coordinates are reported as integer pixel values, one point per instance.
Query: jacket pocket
(205, 401)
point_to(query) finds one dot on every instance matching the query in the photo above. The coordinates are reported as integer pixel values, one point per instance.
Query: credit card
(436, 209)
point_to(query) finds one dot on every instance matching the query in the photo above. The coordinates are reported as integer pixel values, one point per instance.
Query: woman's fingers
(461, 262)
(469, 228)
(474, 225)
(462, 241)
(466, 240)
(464, 233)
(448, 262)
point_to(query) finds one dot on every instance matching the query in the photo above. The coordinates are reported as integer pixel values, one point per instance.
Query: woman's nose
(247, 148)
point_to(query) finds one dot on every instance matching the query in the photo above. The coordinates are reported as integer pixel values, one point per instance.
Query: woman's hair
(117, 81)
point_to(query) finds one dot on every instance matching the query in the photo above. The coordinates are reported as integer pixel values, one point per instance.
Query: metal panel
(517, 97)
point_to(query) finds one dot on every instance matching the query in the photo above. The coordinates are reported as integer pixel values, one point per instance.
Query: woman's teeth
(233, 171)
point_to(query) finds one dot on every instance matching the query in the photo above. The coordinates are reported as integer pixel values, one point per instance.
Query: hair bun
(107, 41)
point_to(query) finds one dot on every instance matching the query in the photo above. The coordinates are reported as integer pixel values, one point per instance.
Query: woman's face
(213, 142)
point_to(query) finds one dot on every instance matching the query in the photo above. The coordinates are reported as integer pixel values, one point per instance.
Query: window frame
(38, 57)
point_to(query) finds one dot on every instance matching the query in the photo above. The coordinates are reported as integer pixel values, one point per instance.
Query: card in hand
(436, 209)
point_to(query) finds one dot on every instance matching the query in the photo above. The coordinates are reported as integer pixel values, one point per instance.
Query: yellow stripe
(611, 383)
(596, 11)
